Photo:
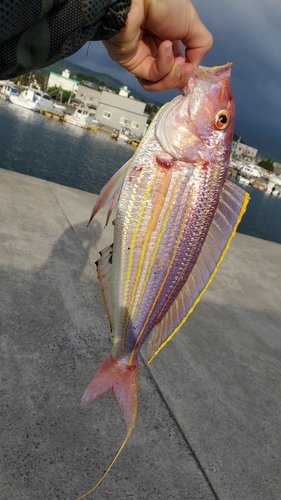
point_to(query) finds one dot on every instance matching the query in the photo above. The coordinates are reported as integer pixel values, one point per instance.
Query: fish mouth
(212, 74)
(215, 71)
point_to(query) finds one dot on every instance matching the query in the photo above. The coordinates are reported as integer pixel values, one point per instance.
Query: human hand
(150, 46)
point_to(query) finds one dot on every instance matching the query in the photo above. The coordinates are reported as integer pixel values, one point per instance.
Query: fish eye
(222, 119)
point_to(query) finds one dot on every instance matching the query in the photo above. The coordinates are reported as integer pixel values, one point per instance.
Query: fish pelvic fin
(111, 191)
(123, 381)
(231, 208)
(104, 265)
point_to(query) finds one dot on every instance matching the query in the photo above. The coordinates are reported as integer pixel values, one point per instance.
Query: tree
(22, 79)
(39, 79)
(267, 164)
(151, 110)
(55, 93)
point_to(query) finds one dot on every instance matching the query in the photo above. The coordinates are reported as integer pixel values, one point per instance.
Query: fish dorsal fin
(110, 191)
(104, 265)
(231, 207)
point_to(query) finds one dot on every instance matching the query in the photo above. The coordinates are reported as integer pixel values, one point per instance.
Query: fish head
(199, 125)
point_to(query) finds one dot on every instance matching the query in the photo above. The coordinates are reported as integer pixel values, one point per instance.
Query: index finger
(198, 42)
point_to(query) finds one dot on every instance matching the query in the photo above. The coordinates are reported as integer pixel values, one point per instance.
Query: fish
(176, 214)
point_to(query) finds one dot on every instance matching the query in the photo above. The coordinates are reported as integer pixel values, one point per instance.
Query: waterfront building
(243, 152)
(88, 95)
(63, 81)
(124, 91)
(277, 168)
(118, 111)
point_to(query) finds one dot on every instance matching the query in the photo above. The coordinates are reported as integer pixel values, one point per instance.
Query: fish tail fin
(123, 381)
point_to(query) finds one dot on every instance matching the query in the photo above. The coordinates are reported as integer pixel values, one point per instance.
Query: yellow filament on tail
(113, 461)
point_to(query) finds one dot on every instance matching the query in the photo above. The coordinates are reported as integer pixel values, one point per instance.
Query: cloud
(248, 33)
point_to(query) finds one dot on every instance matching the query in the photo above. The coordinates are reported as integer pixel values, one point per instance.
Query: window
(123, 120)
(135, 125)
(106, 114)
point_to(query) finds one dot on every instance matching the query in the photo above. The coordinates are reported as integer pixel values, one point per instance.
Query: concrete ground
(209, 420)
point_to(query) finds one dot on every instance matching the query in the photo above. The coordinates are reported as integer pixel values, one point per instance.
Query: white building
(88, 95)
(277, 167)
(124, 91)
(243, 152)
(117, 111)
(63, 81)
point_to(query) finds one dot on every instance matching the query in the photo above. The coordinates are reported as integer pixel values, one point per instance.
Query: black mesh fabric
(37, 33)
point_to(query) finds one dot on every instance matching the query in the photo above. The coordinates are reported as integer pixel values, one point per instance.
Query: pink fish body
(176, 215)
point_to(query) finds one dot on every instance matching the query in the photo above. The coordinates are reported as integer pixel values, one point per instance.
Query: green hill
(102, 79)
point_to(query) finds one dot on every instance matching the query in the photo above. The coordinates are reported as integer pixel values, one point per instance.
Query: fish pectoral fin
(110, 191)
(123, 381)
(104, 266)
(231, 207)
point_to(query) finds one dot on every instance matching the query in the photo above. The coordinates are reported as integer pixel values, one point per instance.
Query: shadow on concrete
(68, 246)
(54, 336)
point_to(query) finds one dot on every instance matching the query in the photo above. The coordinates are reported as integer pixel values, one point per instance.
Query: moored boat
(114, 134)
(124, 134)
(33, 99)
(83, 117)
(243, 180)
(7, 88)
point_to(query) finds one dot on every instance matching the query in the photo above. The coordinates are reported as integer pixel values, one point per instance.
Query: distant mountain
(104, 80)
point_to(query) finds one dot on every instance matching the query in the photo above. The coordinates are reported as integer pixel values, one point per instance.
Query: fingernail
(178, 69)
(184, 70)
(169, 50)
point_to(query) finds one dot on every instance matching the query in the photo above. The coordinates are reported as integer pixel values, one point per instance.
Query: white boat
(124, 134)
(270, 187)
(6, 88)
(243, 180)
(33, 99)
(59, 108)
(83, 117)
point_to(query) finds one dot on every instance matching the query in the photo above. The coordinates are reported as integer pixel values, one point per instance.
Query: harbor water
(59, 152)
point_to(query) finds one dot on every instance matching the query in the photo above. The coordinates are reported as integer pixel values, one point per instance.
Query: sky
(247, 33)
